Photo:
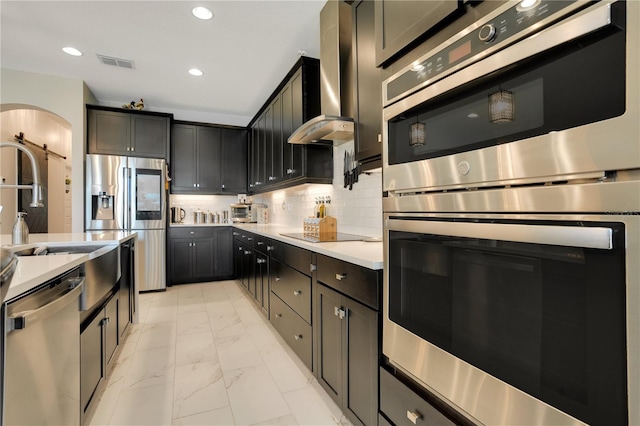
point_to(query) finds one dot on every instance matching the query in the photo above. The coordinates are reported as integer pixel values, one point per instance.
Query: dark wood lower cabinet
(200, 254)
(348, 354)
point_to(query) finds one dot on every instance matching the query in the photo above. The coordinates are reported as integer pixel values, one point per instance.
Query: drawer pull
(247, 252)
(339, 312)
(260, 243)
(297, 292)
(191, 232)
(278, 315)
(261, 261)
(297, 336)
(414, 416)
(341, 277)
(235, 234)
(278, 279)
(269, 248)
(239, 248)
(250, 239)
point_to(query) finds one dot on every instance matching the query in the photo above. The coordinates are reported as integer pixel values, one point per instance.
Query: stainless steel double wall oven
(511, 175)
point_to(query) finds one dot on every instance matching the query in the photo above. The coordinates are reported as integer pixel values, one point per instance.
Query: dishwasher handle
(23, 319)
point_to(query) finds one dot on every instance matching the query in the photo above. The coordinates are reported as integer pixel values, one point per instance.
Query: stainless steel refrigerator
(128, 194)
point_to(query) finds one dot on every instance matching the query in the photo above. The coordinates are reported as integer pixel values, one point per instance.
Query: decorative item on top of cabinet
(401, 24)
(133, 133)
(274, 163)
(367, 87)
(208, 159)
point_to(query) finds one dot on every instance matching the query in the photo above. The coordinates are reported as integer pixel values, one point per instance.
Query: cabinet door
(400, 23)
(286, 96)
(368, 86)
(208, 160)
(183, 158)
(92, 369)
(297, 118)
(238, 254)
(261, 278)
(329, 351)
(109, 132)
(234, 161)
(268, 145)
(111, 328)
(149, 136)
(247, 268)
(360, 368)
(264, 278)
(181, 259)
(277, 143)
(202, 258)
(222, 252)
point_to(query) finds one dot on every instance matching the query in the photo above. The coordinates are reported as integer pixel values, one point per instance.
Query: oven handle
(574, 28)
(569, 236)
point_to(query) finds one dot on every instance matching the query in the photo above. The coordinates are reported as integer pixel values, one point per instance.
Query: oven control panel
(475, 43)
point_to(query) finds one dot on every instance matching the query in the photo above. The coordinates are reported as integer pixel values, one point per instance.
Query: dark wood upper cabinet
(113, 131)
(208, 159)
(367, 86)
(273, 162)
(400, 24)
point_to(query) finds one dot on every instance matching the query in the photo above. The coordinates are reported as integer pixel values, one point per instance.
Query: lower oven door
(516, 320)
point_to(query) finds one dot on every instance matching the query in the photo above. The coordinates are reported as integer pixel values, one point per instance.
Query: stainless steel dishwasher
(42, 362)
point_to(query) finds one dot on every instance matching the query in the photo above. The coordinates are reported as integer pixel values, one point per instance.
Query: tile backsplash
(358, 211)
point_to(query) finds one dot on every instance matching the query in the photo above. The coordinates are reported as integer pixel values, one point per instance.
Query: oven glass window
(572, 85)
(549, 320)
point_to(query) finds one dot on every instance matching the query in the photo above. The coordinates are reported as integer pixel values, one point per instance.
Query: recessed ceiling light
(72, 51)
(196, 72)
(202, 13)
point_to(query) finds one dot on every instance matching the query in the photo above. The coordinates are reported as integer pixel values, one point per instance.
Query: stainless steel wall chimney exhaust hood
(335, 123)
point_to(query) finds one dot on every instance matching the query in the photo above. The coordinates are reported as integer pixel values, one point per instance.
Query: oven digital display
(460, 52)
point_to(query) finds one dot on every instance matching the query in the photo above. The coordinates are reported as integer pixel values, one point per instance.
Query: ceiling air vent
(116, 62)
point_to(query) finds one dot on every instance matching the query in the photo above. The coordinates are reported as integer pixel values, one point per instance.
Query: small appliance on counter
(177, 214)
(240, 213)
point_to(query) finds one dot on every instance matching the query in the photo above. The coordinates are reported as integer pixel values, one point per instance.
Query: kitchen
(467, 194)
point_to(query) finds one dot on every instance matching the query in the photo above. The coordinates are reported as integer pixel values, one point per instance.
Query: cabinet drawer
(293, 256)
(192, 232)
(293, 329)
(399, 403)
(293, 287)
(359, 283)
(262, 243)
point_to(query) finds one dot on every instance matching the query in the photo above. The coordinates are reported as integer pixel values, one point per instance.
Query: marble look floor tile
(151, 367)
(216, 293)
(288, 420)
(237, 352)
(198, 388)
(191, 323)
(219, 417)
(162, 313)
(156, 335)
(148, 406)
(226, 325)
(107, 402)
(309, 409)
(167, 298)
(219, 308)
(193, 348)
(265, 337)
(250, 315)
(254, 396)
(191, 305)
(285, 372)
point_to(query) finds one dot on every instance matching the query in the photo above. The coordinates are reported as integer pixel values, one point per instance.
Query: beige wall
(64, 97)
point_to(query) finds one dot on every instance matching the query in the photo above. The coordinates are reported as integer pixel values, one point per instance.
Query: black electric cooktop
(339, 237)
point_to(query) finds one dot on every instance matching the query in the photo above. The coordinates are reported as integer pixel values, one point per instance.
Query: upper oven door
(560, 104)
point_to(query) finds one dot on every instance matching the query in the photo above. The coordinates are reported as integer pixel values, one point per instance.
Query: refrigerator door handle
(127, 198)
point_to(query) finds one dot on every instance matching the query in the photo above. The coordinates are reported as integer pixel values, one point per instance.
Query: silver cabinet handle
(414, 416)
(341, 277)
(235, 234)
(297, 336)
(297, 292)
(247, 252)
(278, 279)
(250, 239)
(239, 248)
(278, 315)
(270, 248)
(23, 319)
(191, 232)
(260, 243)
(261, 261)
(339, 312)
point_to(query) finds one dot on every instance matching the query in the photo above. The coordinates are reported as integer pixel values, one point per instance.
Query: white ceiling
(244, 51)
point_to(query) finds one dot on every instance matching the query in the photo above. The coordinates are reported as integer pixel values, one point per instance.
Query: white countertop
(35, 270)
(366, 254)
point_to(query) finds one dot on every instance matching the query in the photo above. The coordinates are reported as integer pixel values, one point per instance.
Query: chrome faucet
(36, 186)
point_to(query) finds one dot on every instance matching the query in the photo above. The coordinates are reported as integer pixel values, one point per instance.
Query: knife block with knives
(351, 169)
